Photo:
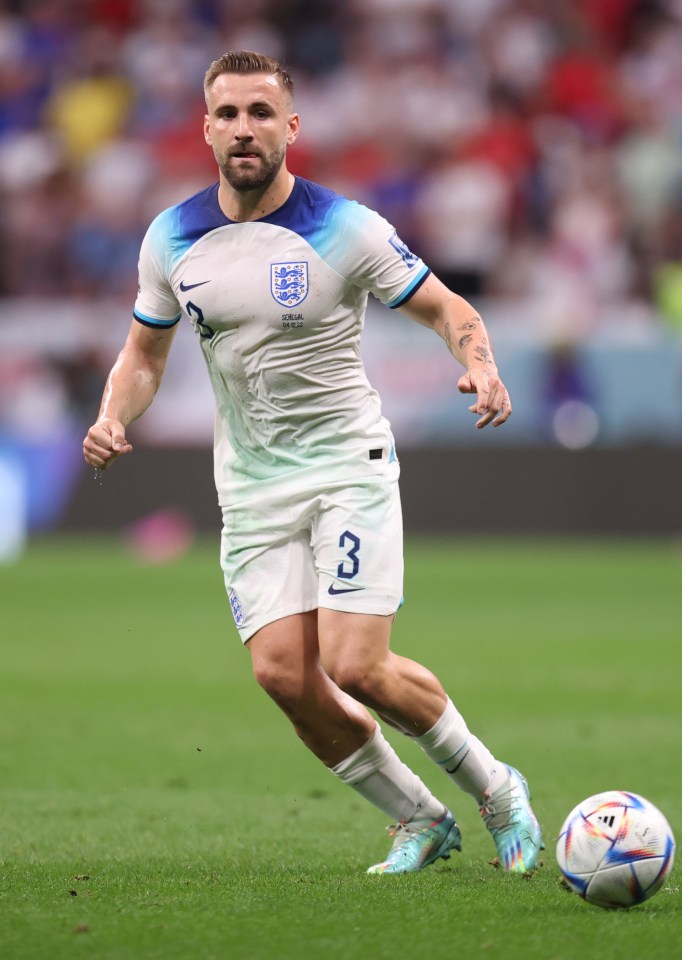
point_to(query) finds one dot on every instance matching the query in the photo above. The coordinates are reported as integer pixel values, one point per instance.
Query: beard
(243, 179)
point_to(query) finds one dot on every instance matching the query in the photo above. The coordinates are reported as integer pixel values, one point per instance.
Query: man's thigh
(268, 566)
(357, 539)
(339, 547)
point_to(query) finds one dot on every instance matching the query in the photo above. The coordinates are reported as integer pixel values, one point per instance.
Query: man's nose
(243, 131)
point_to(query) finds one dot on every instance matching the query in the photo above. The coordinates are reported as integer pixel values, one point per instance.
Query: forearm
(136, 375)
(456, 321)
(463, 330)
(465, 335)
(130, 388)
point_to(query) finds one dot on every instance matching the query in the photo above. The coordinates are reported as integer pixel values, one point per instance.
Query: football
(615, 849)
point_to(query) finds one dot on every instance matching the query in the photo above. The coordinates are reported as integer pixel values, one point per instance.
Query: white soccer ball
(615, 849)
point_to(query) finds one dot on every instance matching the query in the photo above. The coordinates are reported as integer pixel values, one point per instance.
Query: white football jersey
(278, 306)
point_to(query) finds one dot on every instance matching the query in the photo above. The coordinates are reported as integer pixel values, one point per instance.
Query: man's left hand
(492, 403)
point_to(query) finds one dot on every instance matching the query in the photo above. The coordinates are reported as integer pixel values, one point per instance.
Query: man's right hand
(104, 443)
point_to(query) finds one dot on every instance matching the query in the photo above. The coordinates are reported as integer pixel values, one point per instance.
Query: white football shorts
(338, 545)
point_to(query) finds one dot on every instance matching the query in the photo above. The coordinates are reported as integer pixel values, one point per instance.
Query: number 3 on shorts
(352, 555)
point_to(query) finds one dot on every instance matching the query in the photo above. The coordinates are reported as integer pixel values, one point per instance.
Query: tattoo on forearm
(470, 324)
(447, 337)
(483, 351)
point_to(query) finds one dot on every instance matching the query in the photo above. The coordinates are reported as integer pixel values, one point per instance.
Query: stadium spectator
(517, 72)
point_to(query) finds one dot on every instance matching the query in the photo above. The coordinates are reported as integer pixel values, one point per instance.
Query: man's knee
(283, 657)
(280, 680)
(356, 655)
(362, 680)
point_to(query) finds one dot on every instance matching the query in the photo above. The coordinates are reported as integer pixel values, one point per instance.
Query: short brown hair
(244, 61)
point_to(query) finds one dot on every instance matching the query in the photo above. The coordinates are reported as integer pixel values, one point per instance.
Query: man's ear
(294, 127)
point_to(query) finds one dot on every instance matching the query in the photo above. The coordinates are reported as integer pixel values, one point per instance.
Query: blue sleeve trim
(411, 290)
(154, 321)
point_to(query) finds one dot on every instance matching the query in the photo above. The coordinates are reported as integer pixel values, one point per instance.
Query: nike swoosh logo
(458, 765)
(334, 590)
(191, 286)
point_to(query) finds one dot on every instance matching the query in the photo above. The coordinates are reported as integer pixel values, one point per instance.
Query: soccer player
(273, 271)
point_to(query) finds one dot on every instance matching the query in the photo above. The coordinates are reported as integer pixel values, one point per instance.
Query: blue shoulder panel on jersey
(315, 213)
(176, 229)
(325, 220)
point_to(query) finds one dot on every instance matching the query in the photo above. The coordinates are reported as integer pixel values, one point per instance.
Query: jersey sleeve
(156, 304)
(371, 255)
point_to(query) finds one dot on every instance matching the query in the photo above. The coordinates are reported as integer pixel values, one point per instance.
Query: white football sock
(379, 775)
(461, 755)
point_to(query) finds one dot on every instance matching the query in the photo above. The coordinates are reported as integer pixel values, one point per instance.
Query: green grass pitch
(154, 803)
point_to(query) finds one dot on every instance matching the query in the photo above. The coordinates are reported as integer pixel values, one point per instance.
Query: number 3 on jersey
(196, 315)
(345, 539)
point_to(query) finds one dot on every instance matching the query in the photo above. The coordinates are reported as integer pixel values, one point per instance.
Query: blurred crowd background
(521, 146)
(528, 150)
